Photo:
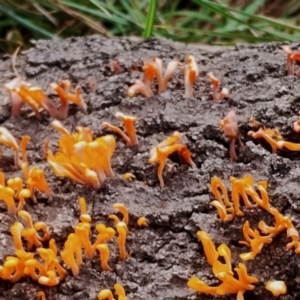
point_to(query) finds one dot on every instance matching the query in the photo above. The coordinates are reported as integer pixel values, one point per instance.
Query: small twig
(13, 61)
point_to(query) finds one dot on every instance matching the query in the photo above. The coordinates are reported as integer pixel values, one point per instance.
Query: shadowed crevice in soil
(166, 254)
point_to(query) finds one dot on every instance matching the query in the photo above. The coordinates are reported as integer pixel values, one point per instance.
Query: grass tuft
(205, 21)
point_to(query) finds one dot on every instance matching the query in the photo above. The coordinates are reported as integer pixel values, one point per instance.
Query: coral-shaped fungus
(161, 152)
(190, 75)
(128, 122)
(21, 92)
(217, 96)
(272, 136)
(50, 272)
(231, 130)
(72, 254)
(12, 191)
(244, 189)
(77, 155)
(223, 271)
(153, 69)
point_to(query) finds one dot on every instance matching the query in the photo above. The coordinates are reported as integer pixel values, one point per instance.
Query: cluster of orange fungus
(252, 197)
(191, 73)
(217, 96)
(47, 269)
(272, 136)
(106, 294)
(231, 130)
(161, 152)
(153, 69)
(79, 244)
(220, 260)
(7, 139)
(21, 92)
(12, 192)
(76, 156)
(130, 136)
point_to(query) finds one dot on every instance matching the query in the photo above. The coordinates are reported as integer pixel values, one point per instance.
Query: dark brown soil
(167, 253)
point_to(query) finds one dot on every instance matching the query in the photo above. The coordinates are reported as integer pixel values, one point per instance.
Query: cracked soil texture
(167, 253)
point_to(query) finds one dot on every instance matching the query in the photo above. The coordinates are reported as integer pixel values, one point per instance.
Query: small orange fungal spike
(105, 295)
(124, 211)
(82, 231)
(120, 291)
(42, 295)
(190, 75)
(7, 195)
(128, 122)
(122, 233)
(104, 256)
(72, 255)
(209, 248)
(128, 176)
(142, 221)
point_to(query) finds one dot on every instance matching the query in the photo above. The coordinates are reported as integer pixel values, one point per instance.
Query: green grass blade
(150, 19)
(214, 34)
(254, 17)
(26, 23)
(251, 9)
(193, 15)
(94, 12)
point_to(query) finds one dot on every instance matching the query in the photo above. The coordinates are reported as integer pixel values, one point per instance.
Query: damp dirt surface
(166, 254)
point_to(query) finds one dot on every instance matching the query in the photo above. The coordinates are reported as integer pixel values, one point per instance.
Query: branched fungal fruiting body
(75, 159)
(21, 92)
(164, 149)
(222, 271)
(217, 96)
(128, 122)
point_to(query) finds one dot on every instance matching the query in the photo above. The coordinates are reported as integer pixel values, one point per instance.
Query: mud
(167, 253)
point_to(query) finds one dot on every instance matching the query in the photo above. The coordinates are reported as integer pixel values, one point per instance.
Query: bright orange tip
(142, 221)
(277, 287)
